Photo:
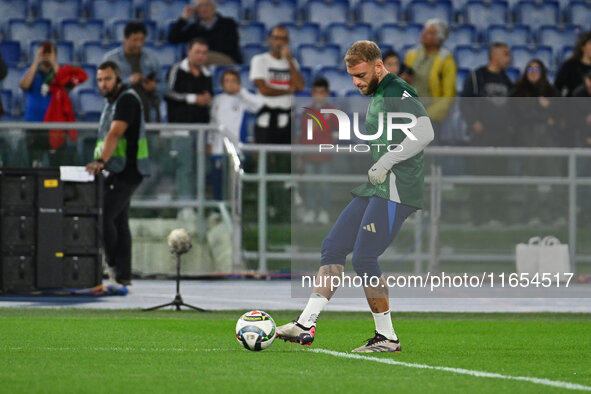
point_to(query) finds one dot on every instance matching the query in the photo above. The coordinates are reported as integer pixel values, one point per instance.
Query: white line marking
(480, 374)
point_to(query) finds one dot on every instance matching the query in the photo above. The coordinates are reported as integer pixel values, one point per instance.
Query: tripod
(178, 300)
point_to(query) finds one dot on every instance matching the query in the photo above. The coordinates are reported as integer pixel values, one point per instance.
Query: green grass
(87, 351)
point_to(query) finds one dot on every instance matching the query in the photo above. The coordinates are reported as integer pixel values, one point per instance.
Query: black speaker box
(17, 190)
(18, 273)
(81, 234)
(82, 271)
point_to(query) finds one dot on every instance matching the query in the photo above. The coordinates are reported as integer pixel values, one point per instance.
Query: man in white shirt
(276, 76)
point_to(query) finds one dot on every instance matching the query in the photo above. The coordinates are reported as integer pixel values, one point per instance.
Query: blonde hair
(362, 51)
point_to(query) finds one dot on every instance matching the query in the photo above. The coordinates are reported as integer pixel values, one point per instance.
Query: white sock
(384, 325)
(310, 313)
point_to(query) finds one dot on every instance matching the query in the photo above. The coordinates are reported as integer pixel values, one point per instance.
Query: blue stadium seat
(578, 13)
(471, 57)
(557, 37)
(13, 9)
(244, 78)
(11, 51)
(252, 33)
(399, 35)
(536, 14)
(422, 10)
(90, 83)
(92, 52)
(513, 73)
(166, 53)
(117, 27)
(65, 51)
(344, 35)
(461, 35)
(482, 14)
(460, 77)
(339, 81)
(80, 32)
(307, 74)
(58, 10)
(565, 53)
(164, 11)
(307, 33)
(6, 97)
(324, 13)
(230, 9)
(27, 31)
(271, 13)
(353, 93)
(250, 50)
(378, 12)
(107, 10)
(520, 55)
(13, 77)
(313, 56)
(516, 35)
(89, 104)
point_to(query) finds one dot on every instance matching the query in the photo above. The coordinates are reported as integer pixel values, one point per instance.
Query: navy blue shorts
(366, 227)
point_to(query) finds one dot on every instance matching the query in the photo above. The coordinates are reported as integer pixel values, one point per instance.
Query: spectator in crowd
(571, 72)
(582, 111)
(188, 97)
(220, 33)
(227, 109)
(392, 63)
(536, 120)
(435, 71)
(317, 195)
(35, 83)
(276, 76)
(122, 150)
(139, 68)
(484, 105)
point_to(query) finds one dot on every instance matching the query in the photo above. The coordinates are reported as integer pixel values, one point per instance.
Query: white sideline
(480, 374)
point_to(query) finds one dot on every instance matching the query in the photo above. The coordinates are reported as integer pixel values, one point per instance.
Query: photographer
(139, 68)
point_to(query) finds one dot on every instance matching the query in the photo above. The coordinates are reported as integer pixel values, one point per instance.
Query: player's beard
(372, 85)
(111, 94)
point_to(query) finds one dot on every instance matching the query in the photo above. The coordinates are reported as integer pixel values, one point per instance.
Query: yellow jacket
(442, 81)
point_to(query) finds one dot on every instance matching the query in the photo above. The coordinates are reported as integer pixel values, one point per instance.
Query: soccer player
(373, 218)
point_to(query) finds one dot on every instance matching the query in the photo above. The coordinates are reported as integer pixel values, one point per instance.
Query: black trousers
(116, 234)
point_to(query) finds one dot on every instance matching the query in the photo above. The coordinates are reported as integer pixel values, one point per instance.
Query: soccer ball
(255, 330)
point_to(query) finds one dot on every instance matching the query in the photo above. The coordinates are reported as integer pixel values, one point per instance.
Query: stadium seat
(166, 53)
(13, 77)
(13, 9)
(58, 10)
(535, 14)
(27, 31)
(339, 81)
(324, 13)
(307, 33)
(422, 10)
(164, 11)
(460, 77)
(516, 35)
(92, 52)
(313, 56)
(399, 35)
(80, 32)
(271, 13)
(308, 76)
(353, 93)
(245, 80)
(108, 10)
(117, 29)
(230, 9)
(578, 13)
(250, 50)
(565, 53)
(378, 12)
(89, 101)
(11, 51)
(461, 35)
(90, 83)
(6, 96)
(557, 37)
(344, 35)
(520, 55)
(471, 57)
(482, 14)
(252, 33)
(513, 73)
(65, 51)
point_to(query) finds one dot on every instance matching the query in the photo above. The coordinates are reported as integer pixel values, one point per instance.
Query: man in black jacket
(220, 33)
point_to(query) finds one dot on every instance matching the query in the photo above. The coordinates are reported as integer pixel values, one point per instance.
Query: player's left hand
(377, 173)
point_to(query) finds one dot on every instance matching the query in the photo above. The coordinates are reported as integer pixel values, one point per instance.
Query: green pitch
(83, 351)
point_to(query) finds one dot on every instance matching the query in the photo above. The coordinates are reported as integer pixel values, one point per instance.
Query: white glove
(377, 173)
